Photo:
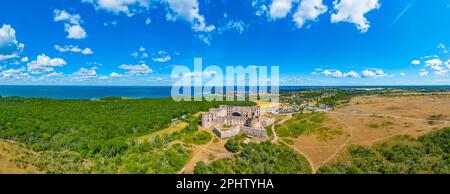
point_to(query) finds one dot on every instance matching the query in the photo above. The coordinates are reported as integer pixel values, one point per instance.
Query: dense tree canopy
(259, 158)
(97, 136)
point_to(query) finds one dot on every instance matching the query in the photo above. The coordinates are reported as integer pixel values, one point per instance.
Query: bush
(233, 145)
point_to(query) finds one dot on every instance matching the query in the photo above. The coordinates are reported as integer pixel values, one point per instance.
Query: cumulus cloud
(439, 67)
(353, 11)
(415, 62)
(24, 59)
(73, 49)
(54, 74)
(128, 7)
(442, 48)
(87, 51)
(9, 46)
(15, 74)
(141, 53)
(136, 69)
(44, 64)
(161, 57)
(63, 15)
(148, 21)
(308, 10)
(402, 74)
(280, 8)
(115, 75)
(71, 24)
(75, 32)
(84, 73)
(374, 74)
(423, 73)
(261, 7)
(339, 74)
(187, 10)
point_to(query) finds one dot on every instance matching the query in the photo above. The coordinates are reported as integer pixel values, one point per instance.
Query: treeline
(257, 158)
(93, 133)
(402, 155)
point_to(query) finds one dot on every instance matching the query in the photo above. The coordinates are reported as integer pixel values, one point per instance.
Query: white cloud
(54, 74)
(308, 10)
(375, 74)
(85, 73)
(9, 46)
(280, 8)
(141, 53)
(188, 10)
(415, 62)
(353, 11)
(148, 21)
(204, 38)
(24, 59)
(71, 24)
(439, 67)
(63, 15)
(44, 64)
(136, 69)
(423, 73)
(73, 49)
(442, 48)
(261, 7)
(111, 23)
(115, 75)
(402, 74)
(352, 74)
(161, 57)
(239, 26)
(75, 32)
(87, 51)
(128, 7)
(15, 74)
(338, 74)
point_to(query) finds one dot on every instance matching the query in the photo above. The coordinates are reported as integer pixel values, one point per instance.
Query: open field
(8, 152)
(207, 153)
(174, 127)
(371, 119)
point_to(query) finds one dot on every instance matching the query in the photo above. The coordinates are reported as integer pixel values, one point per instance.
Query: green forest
(257, 158)
(428, 154)
(99, 136)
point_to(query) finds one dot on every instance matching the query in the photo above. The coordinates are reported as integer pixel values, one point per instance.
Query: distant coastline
(89, 92)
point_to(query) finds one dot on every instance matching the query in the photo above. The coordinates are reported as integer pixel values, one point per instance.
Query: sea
(94, 92)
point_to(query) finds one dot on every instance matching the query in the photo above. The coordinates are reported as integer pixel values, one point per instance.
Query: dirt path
(276, 139)
(275, 136)
(195, 156)
(348, 141)
(340, 147)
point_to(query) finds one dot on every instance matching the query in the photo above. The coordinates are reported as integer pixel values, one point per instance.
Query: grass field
(366, 120)
(9, 151)
(175, 127)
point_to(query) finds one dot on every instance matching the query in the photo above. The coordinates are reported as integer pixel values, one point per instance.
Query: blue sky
(138, 42)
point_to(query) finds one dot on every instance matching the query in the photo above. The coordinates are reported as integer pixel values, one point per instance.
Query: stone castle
(229, 121)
